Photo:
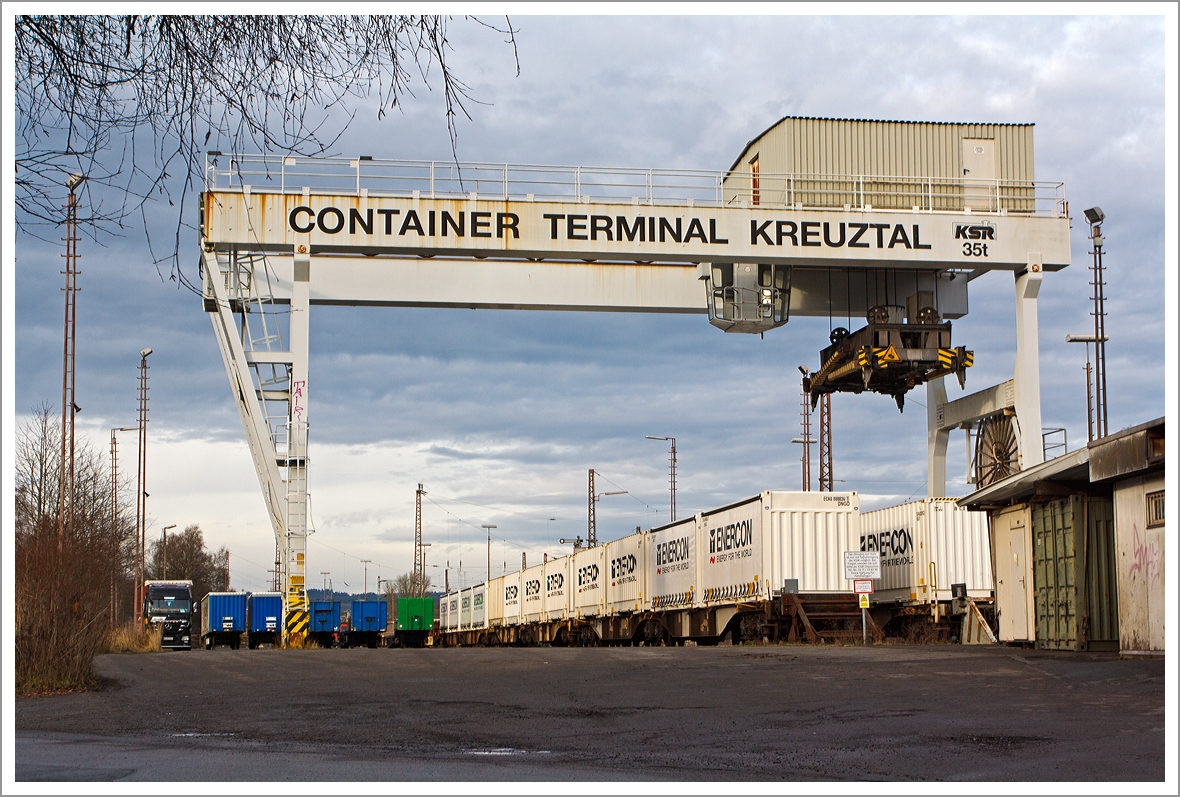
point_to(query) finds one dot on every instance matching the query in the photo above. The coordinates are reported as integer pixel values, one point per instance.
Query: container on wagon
(415, 614)
(495, 602)
(556, 588)
(672, 577)
(532, 581)
(479, 606)
(465, 608)
(325, 617)
(510, 598)
(926, 546)
(625, 569)
(369, 616)
(588, 577)
(223, 613)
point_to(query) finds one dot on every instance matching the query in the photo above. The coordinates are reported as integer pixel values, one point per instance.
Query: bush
(131, 638)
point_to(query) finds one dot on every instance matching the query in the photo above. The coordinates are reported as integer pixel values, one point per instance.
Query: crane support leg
(936, 439)
(297, 619)
(1027, 377)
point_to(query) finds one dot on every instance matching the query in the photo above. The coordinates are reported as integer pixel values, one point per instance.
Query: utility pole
(164, 553)
(671, 474)
(1098, 282)
(806, 439)
(488, 528)
(591, 522)
(365, 562)
(69, 407)
(141, 484)
(825, 442)
(419, 570)
(115, 508)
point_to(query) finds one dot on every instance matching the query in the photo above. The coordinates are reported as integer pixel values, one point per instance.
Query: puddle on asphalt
(202, 734)
(507, 751)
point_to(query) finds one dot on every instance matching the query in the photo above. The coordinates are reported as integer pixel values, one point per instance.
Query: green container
(1074, 574)
(415, 614)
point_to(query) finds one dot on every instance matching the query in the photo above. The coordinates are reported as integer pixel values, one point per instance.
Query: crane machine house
(723, 572)
(885, 221)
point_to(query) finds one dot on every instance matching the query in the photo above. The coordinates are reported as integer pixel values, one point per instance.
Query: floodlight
(1094, 215)
(145, 353)
(74, 181)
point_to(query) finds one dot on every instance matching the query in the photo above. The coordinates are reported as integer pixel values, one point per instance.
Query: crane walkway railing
(627, 185)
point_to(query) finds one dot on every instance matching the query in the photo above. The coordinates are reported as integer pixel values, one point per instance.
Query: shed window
(1155, 509)
(755, 182)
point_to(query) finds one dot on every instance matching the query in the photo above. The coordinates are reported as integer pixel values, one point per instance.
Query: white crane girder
(670, 233)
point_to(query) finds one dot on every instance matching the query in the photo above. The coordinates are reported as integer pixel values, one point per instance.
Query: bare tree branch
(132, 102)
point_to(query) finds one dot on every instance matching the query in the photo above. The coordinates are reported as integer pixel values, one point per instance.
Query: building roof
(1071, 467)
(756, 138)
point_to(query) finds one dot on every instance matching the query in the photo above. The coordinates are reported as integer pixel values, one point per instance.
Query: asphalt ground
(763, 713)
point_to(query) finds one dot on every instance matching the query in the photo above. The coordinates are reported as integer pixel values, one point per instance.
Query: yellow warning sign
(889, 355)
(864, 601)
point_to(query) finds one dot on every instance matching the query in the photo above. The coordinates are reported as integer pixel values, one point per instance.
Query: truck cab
(169, 606)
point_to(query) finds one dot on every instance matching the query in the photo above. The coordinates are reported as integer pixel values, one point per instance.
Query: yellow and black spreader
(896, 351)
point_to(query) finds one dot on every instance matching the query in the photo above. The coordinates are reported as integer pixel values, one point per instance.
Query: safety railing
(627, 185)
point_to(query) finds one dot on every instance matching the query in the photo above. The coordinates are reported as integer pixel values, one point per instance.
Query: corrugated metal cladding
(862, 147)
(808, 145)
(1075, 575)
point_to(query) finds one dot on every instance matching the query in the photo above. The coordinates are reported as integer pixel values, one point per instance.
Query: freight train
(769, 567)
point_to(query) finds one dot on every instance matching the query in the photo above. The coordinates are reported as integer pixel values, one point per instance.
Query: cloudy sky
(500, 413)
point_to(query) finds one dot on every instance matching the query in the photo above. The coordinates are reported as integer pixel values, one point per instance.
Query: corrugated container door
(496, 601)
(454, 611)
(808, 535)
(1100, 555)
(444, 613)
(1054, 554)
(626, 566)
(589, 580)
(958, 546)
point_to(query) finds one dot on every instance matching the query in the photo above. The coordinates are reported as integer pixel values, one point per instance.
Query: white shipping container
(496, 602)
(626, 567)
(511, 599)
(731, 541)
(557, 581)
(453, 611)
(926, 546)
(805, 537)
(532, 580)
(588, 582)
(465, 609)
(479, 606)
(672, 565)
(444, 612)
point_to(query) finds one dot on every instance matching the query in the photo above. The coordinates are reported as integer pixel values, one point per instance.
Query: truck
(415, 621)
(366, 622)
(264, 612)
(223, 619)
(169, 606)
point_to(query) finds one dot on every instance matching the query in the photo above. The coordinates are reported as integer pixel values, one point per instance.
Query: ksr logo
(511, 592)
(532, 587)
(587, 575)
(554, 581)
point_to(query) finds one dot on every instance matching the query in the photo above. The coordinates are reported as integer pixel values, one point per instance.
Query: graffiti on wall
(1146, 560)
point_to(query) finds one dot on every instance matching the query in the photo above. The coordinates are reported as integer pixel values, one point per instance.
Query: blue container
(265, 612)
(325, 617)
(369, 615)
(223, 613)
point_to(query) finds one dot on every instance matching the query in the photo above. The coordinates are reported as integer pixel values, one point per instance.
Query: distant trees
(69, 589)
(404, 586)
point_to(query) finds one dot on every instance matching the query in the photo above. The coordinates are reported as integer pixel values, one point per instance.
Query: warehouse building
(1077, 546)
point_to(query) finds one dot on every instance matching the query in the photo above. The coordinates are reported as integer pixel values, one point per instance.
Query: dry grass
(301, 643)
(132, 639)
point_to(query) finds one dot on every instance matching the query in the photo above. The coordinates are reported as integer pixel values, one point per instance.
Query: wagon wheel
(997, 452)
